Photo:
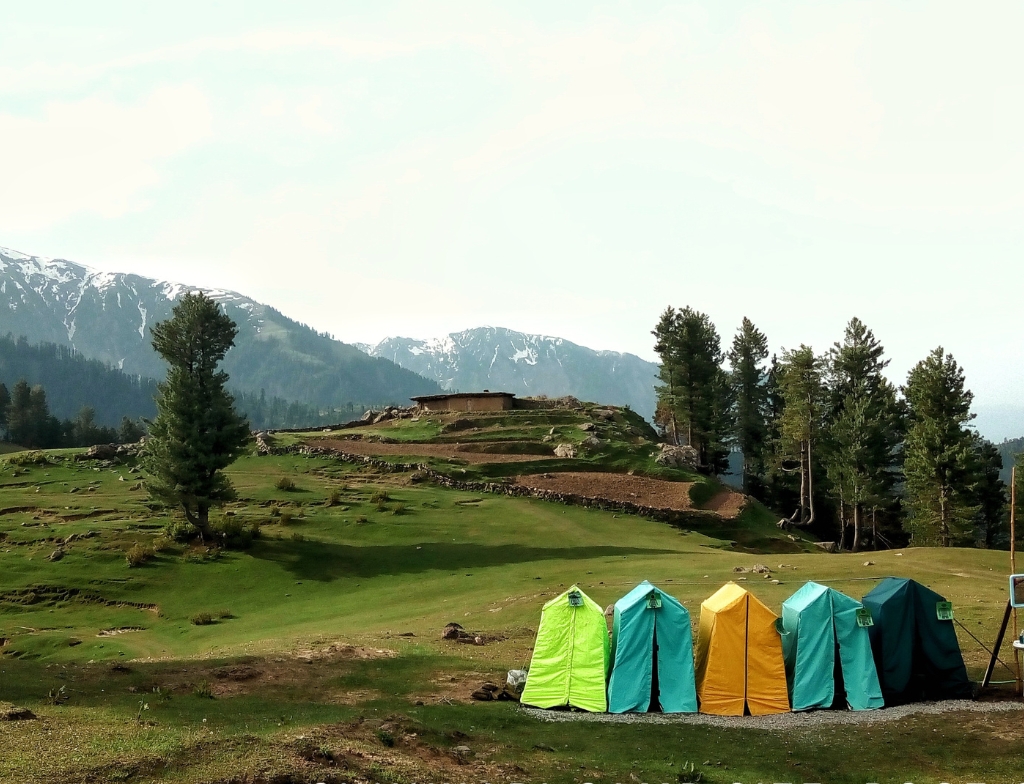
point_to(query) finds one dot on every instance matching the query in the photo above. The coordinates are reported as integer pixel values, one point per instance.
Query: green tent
(652, 654)
(914, 642)
(828, 651)
(570, 657)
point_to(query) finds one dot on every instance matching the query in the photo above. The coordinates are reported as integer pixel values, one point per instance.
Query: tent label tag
(575, 599)
(654, 600)
(944, 611)
(864, 618)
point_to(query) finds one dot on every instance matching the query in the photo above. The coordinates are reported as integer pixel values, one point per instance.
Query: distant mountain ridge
(107, 316)
(505, 360)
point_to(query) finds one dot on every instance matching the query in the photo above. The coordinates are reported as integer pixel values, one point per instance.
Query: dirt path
(657, 493)
(455, 451)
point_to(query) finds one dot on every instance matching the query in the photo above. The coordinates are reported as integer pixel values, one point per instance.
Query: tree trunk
(856, 528)
(810, 483)
(874, 528)
(943, 522)
(803, 482)
(842, 522)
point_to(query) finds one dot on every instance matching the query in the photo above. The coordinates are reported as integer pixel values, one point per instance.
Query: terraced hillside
(573, 452)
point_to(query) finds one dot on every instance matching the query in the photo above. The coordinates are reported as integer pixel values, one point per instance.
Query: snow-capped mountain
(504, 360)
(107, 316)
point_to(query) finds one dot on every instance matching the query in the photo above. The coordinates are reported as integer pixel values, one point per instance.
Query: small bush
(334, 498)
(235, 534)
(297, 537)
(255, 529)
(57, 696)
(203, 690)
(398, 509)
(275, 511)
(380, 497)
(386, 738)
(162, 543)
(202, 619)
(285, 483)
(362, 519)
(702, 492)
(138, 555)
(181, 531)
(381, 506)
(286, 518)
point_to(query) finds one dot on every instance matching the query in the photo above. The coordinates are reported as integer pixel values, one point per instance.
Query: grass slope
(386, 574)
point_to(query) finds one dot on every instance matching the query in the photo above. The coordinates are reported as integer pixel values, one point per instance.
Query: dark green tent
(912, 637)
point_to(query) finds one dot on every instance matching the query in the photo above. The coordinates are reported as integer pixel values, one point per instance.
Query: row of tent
(827, 650)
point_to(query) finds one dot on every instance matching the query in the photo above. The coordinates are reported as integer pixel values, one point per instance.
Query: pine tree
(750, 395)
(989, 491)
(863, 431)
(939, 453)
(196, 432)
(800, 422)
(694, 399)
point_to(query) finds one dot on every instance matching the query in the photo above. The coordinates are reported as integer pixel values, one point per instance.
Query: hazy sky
(378, 168)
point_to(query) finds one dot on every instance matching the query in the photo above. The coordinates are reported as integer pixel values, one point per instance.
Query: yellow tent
(739, 656)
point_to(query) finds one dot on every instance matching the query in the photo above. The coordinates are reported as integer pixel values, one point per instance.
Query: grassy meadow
(317, 655)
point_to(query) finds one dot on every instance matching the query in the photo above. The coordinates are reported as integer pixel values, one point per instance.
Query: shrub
(202, 619)
(381, 506)
(361, 519)
(286, 518)
(139, 554)
(298, 537)
(702, 492)
(398, 509)
(386, 738)
(380, 497)
(334, 498)
(275, 511)
(181, 531)
(285, 483)
(235, 534)
(162, 543)
(255, 529)
(203, 690)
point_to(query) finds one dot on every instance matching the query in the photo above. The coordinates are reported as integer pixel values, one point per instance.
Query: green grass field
(323, 659)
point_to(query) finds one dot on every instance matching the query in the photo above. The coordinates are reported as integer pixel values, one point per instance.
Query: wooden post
(1013, 569)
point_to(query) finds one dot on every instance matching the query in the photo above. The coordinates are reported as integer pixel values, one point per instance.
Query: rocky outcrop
(677, 457)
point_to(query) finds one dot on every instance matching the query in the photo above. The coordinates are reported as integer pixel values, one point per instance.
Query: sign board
(864, 618)
(1017, 590)
(944, 611)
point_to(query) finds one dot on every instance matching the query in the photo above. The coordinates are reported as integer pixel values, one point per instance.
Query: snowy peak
(108, 315)
(526, 364)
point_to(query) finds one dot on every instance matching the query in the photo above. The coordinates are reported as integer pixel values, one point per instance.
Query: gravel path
(784, 721)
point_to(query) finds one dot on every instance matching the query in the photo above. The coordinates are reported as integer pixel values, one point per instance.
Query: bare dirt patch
(447, 451)
(623, 488)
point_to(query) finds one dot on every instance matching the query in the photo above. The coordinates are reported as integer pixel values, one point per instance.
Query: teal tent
(652, 654)
(914, 642)
(828, 651)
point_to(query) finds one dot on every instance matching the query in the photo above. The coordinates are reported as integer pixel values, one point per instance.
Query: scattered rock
(609, 611)
(603, 413)
(828, 547)
(56, 555)
(760, 569)
(587, 426)
(453, 631)
(869, 563)
(775, 582)
(462, 753)
(590, 442)
(567, 451)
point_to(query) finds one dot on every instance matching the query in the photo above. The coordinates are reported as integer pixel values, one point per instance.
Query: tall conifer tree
(750, 401)
(196, 432)
(939, 453)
